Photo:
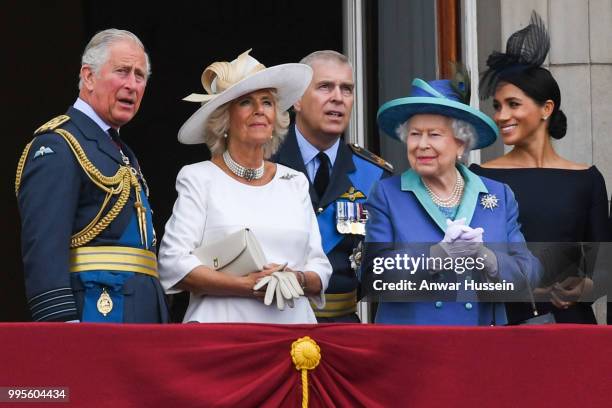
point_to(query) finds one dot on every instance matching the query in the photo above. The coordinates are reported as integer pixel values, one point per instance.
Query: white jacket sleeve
(184, 230)
(316, 260)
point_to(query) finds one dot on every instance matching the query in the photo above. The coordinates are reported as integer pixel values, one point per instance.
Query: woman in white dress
(243, 120)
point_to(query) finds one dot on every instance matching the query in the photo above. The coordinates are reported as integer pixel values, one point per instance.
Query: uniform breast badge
(352, 194)
(355, 257)
(105, 303)
(42, 151)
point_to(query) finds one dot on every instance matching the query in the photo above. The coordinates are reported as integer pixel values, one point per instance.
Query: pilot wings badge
(42, 151)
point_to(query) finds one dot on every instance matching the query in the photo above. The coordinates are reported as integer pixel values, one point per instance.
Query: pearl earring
(459, 156)
(544, 118)
(225, 135)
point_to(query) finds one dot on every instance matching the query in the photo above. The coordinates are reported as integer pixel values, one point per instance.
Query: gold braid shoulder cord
(119, 184)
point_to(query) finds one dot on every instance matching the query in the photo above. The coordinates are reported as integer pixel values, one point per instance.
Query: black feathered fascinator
(526, 48)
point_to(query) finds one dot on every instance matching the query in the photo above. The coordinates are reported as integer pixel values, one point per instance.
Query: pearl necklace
(247, 173)
(452, 200)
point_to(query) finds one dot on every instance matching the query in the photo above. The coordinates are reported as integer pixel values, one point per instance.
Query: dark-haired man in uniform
(340, 175)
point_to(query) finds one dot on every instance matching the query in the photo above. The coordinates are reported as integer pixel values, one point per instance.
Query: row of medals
(351, 218)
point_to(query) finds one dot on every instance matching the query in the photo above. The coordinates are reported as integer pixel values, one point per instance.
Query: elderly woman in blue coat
(457, 213)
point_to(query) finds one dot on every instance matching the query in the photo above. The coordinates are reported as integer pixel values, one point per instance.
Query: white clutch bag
(237, 254)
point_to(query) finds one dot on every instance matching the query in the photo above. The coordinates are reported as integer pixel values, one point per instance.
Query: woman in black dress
(559, 200)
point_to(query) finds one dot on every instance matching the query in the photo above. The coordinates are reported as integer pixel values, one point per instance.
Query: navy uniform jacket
(57, 199)
(347, 163)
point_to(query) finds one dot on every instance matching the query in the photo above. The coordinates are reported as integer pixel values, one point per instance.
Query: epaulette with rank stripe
(371, 157)
(52, 124)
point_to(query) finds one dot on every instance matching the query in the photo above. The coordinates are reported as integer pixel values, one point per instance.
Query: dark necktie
(117, 142)
(115, 137)
(321, 179)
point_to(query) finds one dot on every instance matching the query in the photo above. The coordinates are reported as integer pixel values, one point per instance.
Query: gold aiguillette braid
(120, 184)
(20, 165)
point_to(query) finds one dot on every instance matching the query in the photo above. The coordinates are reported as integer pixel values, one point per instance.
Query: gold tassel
(141, 213)
(306, 355)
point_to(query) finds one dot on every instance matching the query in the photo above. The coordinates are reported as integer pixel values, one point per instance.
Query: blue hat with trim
(437, 98)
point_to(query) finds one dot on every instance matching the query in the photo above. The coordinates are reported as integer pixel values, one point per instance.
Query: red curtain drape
(249, 365)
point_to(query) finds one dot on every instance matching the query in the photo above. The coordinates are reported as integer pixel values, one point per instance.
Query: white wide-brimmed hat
(226, 81)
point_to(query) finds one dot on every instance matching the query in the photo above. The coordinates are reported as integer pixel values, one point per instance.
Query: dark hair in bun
(557, 127)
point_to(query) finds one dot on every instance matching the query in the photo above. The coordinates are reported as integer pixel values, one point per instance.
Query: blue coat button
(438, 304)
(468, 306)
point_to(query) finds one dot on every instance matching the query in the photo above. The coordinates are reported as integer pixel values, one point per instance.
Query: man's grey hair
(462, 130)
(326, 55)
(96, 51)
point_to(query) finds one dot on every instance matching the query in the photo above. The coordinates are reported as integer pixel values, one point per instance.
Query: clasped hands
(282, 283)
(566, 293)
(462, 241)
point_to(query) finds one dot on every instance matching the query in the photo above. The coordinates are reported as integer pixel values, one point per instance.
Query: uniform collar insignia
(353, 194)
(42, 151)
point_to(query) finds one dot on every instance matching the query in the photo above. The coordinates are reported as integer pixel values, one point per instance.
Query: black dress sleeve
(598, 222)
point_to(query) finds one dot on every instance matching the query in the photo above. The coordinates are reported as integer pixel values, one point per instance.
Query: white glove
(271, 283)
(290, 287)
(470, 244)
(461, 240)
(480, 251)
(283, 285)
(444, 248)
(473, 235)
(454, 229)
(280, 300)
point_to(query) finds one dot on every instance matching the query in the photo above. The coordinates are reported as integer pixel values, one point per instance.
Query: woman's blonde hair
(218, 124)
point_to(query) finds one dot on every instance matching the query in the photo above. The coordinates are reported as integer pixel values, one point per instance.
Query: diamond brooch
(489, 201)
